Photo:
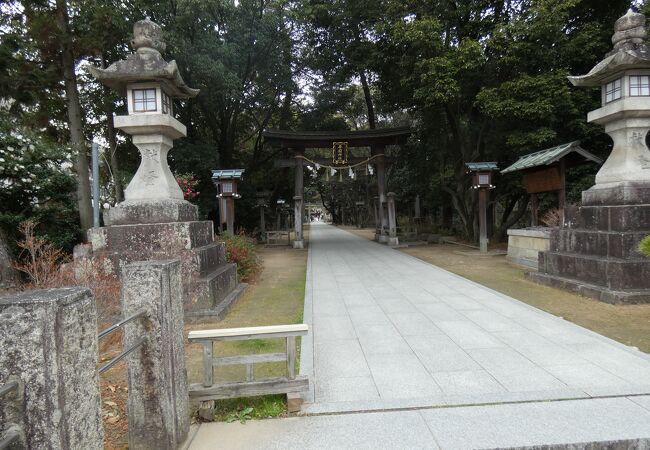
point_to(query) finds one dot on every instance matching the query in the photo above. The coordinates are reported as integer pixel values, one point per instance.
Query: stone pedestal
(158, 404)
(596, 255)
(210, 283)
(49, 346)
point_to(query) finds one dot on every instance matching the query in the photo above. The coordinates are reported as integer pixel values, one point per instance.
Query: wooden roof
(325, 139)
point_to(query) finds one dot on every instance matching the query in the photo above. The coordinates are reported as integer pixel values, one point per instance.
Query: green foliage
(240, 249)
(243, 409)
(37, 184)
(644, 246)
(240, 415)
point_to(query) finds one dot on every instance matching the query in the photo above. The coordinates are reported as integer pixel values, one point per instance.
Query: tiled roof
(550, 156)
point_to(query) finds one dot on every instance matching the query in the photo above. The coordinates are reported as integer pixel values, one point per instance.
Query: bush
(644, 246)
(240, 249)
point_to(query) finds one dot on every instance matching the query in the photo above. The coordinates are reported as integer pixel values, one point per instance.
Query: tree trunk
(77, 139)
(368, 97)
(111, 138)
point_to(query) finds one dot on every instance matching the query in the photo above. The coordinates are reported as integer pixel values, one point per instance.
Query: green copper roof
(476, 166)
(227, 174)
(550, 156)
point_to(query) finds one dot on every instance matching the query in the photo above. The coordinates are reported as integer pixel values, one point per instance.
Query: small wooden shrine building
(545, 171)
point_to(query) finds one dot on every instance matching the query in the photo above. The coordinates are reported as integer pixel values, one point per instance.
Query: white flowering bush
(36, 183)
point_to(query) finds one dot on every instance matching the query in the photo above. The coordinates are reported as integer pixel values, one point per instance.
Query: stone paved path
(392, 333)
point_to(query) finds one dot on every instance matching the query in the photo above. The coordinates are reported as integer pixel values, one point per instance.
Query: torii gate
(298, 142)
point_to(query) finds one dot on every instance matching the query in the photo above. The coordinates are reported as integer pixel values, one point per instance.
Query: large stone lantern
(154, 221)
(595, 251)
(624, 78)
(150, 84)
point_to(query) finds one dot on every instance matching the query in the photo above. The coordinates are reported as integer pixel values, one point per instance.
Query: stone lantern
(595, 252)
(155, 221)
(150, 85)
(624, 79)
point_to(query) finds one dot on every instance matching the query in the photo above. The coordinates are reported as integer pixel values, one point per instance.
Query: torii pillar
(380, 236)
(298, 200)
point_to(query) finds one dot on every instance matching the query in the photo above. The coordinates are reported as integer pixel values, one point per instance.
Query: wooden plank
(249, 359)
(207, 364)
(291, 357)
(225, 334)
(249, 389)
(545, 180)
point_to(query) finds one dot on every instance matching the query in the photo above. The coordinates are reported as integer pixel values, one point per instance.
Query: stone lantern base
(596, 254)
(169, 229)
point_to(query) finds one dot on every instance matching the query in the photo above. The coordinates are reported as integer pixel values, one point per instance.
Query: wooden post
(298, 201)
(230, 215)
(262, 219)
(562, 193)
(482, 216)
(534, 210)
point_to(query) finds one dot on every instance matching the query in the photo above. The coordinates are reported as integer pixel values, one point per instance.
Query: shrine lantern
(226, 182)
(482, 174)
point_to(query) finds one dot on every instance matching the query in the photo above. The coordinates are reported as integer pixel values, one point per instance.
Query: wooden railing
(208, 390)
(277, 236)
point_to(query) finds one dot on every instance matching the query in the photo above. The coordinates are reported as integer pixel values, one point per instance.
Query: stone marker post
(48, 343)
(158, 405)
(392, 220)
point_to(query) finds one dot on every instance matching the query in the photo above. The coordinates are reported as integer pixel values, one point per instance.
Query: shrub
(241, 250)
(644, 246)
(47, 266)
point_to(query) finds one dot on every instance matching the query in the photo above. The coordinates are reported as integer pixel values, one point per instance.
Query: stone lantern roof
(145, 64)
(630, 51)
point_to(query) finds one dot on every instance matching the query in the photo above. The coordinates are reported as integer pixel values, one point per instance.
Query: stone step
(621, 218)
(209, 257)
(601, 293)
(613, 273)
(598, 243)
(209, 291)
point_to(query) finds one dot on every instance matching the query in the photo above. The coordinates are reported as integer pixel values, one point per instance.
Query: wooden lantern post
(226, 183)
(482, 180)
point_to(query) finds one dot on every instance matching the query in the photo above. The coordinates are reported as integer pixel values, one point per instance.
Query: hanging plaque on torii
(340, 152)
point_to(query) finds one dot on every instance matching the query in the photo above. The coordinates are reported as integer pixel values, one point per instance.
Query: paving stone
(401, 376)
(468, 335)
(585, 375)
(345, 389)
(467, 382)
(413, 324)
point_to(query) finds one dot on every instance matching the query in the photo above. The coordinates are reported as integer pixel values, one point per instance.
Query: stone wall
(525, 244)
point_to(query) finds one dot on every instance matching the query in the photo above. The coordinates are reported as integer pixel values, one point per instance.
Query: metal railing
(12, 435)
(124, 353)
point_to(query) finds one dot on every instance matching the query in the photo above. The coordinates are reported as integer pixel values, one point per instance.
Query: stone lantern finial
(629, 31)
(147, 37)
